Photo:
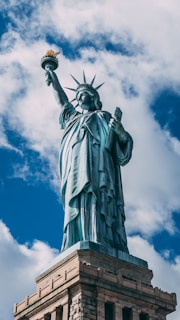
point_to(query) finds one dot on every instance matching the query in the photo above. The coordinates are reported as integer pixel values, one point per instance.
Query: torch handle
(110, 138)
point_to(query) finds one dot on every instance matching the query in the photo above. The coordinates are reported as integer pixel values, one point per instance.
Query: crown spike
(73, 100)
(92, 81)
(84, 77)
(99, 86)
(71, 89)
(75, 80)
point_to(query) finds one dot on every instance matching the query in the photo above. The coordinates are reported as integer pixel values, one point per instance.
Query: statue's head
(87, 95)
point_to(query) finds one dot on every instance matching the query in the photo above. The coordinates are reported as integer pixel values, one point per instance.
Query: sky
(134, 47)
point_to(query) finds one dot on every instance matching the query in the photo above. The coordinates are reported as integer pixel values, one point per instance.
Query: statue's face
(86, 100)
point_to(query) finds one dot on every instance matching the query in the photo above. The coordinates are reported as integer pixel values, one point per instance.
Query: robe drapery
(91, 188)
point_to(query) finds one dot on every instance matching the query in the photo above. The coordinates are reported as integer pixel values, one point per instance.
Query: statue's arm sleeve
(123, 150)
(59, 93)
(67, 114)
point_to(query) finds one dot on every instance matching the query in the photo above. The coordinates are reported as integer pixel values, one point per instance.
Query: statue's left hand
(117, 127)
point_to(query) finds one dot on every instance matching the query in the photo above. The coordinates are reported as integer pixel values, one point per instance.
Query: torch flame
(51, 53)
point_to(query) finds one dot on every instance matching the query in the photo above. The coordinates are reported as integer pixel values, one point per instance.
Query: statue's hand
(117, 127)
(48, 77)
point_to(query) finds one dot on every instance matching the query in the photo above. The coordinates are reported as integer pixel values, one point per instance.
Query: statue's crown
(85, 85)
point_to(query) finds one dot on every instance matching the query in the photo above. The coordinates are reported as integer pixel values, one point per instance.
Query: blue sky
(132, 46)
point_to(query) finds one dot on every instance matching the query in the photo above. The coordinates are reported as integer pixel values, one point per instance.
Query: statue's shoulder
(67, 114)
(107, 115)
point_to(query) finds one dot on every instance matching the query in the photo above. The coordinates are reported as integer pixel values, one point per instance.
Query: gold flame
(51, 53)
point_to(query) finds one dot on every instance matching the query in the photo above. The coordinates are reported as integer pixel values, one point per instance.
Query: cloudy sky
(132, 45)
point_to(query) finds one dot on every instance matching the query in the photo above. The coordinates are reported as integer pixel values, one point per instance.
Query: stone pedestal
(88, 283)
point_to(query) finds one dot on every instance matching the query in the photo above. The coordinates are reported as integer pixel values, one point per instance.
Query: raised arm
(60, 95)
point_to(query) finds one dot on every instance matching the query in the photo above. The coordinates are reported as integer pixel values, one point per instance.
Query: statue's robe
(91, 188)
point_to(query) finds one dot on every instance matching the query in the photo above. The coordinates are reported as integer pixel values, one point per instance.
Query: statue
(93, 147)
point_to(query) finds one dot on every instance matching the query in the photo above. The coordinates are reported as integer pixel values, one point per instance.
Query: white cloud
(153, 177)
(19, 265)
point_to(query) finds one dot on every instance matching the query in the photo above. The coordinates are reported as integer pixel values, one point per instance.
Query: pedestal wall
(91, 285)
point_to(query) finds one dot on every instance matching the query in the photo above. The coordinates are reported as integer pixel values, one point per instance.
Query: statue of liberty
(93, 147)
